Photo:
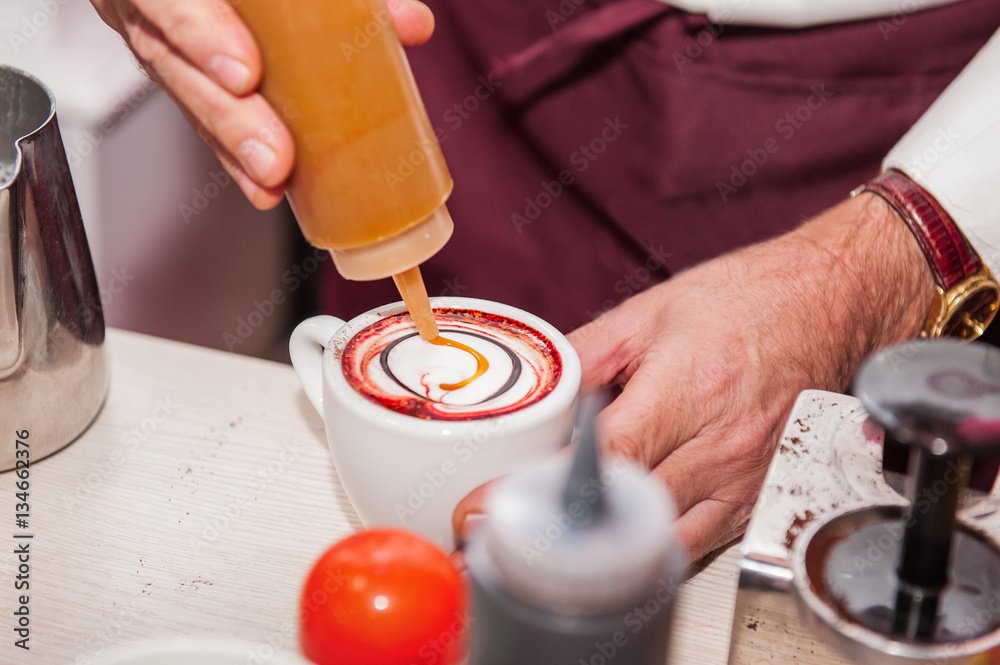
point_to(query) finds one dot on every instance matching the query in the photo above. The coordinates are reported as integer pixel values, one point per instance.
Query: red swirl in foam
(544, 367)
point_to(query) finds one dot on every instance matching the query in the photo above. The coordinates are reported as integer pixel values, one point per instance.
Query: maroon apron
(598, 147)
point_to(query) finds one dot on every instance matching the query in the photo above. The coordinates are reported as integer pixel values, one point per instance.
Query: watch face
(971, 311)
(943, 394)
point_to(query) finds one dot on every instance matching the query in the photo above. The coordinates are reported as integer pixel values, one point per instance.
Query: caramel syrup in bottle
(368, 164)
(370, 182)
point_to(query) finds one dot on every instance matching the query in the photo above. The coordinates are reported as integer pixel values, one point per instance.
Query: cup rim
(561, 396)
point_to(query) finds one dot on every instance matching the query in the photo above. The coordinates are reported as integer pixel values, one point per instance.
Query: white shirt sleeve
(801, 13)
(954, 152)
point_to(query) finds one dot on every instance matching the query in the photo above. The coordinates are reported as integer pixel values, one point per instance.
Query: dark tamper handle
(941, 398)
(938, 482)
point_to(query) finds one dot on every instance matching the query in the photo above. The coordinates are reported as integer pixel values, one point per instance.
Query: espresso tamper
(913, 583)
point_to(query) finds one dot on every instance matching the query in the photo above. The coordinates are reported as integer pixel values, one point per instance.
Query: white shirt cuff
(954, 152)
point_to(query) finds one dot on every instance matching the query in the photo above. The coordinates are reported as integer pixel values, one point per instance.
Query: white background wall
(136, 163)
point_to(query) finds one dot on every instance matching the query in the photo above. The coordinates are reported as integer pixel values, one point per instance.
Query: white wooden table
(195, 505)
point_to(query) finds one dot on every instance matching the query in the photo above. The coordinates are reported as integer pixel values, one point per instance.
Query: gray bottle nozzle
(586, 468)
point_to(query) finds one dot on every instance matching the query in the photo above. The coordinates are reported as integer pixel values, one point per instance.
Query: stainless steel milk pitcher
(53, 372)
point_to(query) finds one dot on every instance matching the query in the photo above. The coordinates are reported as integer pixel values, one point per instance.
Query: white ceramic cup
(409, 472)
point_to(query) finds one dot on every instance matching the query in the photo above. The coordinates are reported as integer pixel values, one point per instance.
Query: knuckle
(185, 20)
(206, 114)
(721, 378)
(628, 446)
(215, 111)
(148, 47)
(752, 446)
(223, 10)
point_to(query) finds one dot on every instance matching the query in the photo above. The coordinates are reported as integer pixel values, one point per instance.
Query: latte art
(390, 364)
(482, 364)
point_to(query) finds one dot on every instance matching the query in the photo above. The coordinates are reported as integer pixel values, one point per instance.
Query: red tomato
(383, 597)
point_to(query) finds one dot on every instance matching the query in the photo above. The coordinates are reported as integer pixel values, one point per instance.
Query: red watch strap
(949, 255)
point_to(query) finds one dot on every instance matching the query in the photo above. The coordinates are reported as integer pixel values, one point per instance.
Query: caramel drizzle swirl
(482, 364)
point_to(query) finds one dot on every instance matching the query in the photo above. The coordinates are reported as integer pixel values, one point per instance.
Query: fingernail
(258, 158)
(471, 524)
(231, 73)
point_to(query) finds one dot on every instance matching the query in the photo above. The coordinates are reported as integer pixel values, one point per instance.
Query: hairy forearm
(867, 278)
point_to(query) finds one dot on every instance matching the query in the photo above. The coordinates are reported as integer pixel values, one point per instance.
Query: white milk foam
(423, 367)
(401, 371)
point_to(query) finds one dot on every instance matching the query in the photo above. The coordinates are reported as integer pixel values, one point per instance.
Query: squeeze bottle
(577, 563)
(369, 182)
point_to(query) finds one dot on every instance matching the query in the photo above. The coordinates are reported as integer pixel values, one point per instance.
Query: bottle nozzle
(586, 468)
(411, 288)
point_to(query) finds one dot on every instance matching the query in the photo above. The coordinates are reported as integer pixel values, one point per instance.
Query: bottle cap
(397, 253)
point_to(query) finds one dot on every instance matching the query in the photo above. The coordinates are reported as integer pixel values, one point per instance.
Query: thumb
(470, 512)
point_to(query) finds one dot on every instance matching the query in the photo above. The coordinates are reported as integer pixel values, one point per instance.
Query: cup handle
(306, 346)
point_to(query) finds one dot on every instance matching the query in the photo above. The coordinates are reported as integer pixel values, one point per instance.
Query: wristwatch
(967, 294)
